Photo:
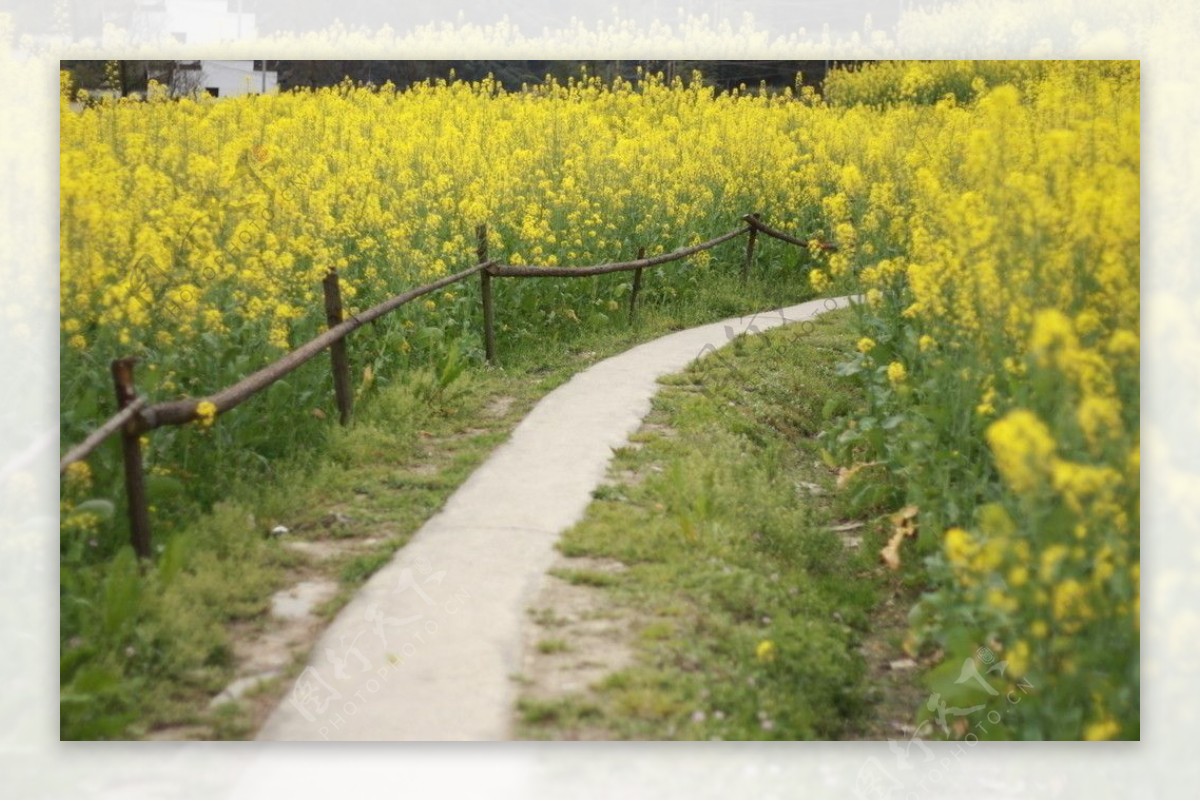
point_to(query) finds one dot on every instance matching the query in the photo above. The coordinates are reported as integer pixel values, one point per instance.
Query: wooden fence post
(637, 285)
(750, 218)
(337, 350)
(485, 284)
(131, 451)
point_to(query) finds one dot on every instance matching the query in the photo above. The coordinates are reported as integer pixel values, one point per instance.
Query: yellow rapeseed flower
(960, 546)
(1053, 334)
(79, 475)
(1104, 729)
(1022, 446)
(1069, 597)
(206, 413)
(1051, 558)
(1099, 418)
(998, 600)
(1018, 658)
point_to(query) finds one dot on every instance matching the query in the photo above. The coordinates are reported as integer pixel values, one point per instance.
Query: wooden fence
(136, 416)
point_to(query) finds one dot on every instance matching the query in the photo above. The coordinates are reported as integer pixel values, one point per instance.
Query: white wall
(205, 21)
(233, 78)
(193, 21)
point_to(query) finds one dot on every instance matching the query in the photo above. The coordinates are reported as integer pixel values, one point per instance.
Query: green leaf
(102, 508)
(122, 590)
(828, 459)
(173, 560)
(162, 487)
(848, 436)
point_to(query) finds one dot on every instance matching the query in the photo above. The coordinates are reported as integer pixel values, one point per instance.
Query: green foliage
(138, 638)
(750, 608)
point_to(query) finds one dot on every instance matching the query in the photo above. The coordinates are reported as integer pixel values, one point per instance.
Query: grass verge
(756, 609)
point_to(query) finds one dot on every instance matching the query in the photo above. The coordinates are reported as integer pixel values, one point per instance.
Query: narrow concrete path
(427, 648)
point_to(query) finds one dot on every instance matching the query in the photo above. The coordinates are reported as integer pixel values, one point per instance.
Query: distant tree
(128, 77)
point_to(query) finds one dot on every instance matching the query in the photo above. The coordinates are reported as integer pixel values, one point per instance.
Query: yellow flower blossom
(1053, 334)
(1099, 418)
(1069, 599)
(998, 600)
(1051, 558)
(79, 475)
(206, 413)
(1105, 729)
(1022, 446)
(960, 546)
(1018, 658)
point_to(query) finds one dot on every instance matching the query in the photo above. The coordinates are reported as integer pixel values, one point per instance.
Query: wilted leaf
(904, 524)
(904, 515)
(847, 473)
(890, 553)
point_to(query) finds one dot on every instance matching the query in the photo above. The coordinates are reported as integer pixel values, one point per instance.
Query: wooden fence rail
(525, 271)
(135, 417)
(94, 439)
(184, 411)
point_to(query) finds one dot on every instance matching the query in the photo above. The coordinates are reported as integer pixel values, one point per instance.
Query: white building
(186, 21)
(225, 78)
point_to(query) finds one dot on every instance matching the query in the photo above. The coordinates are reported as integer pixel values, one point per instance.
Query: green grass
(724, 555)
(553, 645)
(146, 646)
(586, 578)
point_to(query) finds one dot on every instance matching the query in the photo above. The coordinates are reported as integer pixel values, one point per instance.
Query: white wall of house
(189, 21)
(232, 78)
(205, 21)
